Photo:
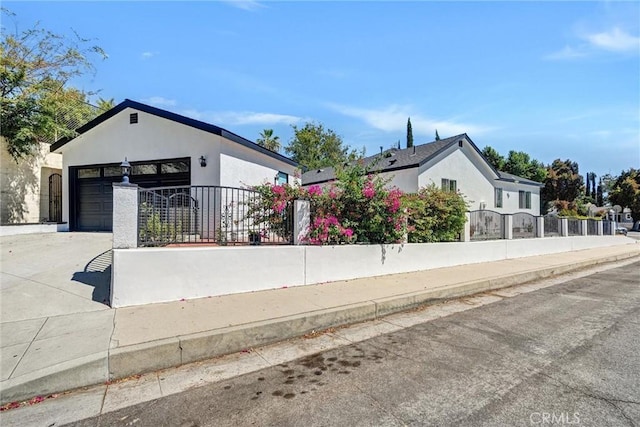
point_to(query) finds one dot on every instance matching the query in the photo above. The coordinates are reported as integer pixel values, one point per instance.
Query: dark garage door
(95, 205)
(92, 190)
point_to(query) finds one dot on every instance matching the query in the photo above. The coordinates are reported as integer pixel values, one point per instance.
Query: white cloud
(567, 53)
(394, 119)
(148, 55)
(159, 101)
(615, 40)
(249, 5)
(227, 118)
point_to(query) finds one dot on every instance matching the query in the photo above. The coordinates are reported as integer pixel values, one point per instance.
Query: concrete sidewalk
(42, 355)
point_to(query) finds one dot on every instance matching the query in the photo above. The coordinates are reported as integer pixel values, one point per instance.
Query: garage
(91, 201)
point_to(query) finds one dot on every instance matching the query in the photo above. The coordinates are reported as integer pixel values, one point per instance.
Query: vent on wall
(460, 143)
(133, 118)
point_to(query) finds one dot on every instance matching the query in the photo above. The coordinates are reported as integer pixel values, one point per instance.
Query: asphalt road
(564, 355)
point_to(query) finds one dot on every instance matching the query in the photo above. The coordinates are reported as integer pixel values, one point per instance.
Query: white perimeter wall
(151, 275)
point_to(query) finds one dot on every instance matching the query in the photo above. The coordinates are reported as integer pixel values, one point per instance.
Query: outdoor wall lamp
(203, 161)
(126, 170)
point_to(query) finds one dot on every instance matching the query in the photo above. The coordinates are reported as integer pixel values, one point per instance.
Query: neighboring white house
(453, 163)
(30, 188)
(164, 149)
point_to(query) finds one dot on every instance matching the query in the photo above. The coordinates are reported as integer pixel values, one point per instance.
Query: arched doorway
(55, 198)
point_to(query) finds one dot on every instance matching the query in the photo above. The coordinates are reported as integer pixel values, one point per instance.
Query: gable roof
(206, 127)
(397, 159)
(390, 160)
(504, 176)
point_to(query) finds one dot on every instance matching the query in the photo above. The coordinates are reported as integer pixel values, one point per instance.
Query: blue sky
(553, 79)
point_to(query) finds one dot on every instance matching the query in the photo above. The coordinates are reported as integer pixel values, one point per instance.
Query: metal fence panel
(210, 214)
(524, 226)
(575, 226)
(606, 227)
(592, 227)
(486, 225)
(551, 226)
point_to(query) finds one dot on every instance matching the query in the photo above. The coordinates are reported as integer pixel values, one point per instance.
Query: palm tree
(268, 141)
(105, 105)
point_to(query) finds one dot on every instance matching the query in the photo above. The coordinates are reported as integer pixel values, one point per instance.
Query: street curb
(121, 362)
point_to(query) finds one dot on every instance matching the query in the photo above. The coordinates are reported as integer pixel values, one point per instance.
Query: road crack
(608, 400)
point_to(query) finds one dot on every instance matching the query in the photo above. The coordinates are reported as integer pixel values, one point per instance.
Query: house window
(148, 169)
(89, 173)
(449, 185)
(174, 167)
(282, 178)
(498, 197)
(112, 171)
(524, 199)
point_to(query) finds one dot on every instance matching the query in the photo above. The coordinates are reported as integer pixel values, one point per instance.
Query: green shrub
(435, 215)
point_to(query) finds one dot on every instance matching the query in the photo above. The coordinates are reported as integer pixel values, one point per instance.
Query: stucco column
(125, 215)
(540, 226)
(584, 227)
(612, 230)
(301, 220)
(600, 228)
(564, 227)
(508, 227)
(466, 234)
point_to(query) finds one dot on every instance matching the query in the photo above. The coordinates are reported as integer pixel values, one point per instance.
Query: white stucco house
(454, 164)
(164, 149)
(30, 190)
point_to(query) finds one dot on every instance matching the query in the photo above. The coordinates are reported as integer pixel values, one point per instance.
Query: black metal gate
(55, 198)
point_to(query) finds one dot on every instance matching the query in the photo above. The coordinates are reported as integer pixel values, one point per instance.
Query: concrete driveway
(51, 285)
(43, 275)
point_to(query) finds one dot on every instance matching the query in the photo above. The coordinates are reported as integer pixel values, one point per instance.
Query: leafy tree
(494, 158)
(105, 105)
(563, 182)
(520, 163)
(36, 66)
(437, 136)
(268, 140)
(587, 191)
(626, 192)
(409, 133)
(315, 147)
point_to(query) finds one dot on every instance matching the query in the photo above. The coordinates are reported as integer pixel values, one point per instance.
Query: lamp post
(126, 170)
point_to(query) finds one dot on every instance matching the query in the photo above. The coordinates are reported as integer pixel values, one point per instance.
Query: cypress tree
(409, 134)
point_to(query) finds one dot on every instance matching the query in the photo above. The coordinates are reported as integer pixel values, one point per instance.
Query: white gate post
(540, 226)
(508, 227)
(125, 215)
(466, 234)
(301, 220)
(564, 227)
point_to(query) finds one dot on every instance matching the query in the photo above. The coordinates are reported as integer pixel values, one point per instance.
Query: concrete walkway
(55, 336)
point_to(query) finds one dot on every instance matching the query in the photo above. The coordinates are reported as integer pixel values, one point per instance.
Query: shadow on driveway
(97, 273)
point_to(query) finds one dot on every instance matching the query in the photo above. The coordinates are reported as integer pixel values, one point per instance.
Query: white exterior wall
(156, 138)
(476, 181)
(405, 179)
(457, 165)
(25, 185)
(511, 201)
(242, 167)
